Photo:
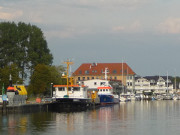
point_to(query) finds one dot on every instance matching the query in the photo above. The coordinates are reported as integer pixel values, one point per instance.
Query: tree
(5, 73)
(42, 78)
(24, 45)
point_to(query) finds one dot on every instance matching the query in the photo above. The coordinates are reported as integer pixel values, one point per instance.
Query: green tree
(42, 78)
(5, 73)
(24, 45)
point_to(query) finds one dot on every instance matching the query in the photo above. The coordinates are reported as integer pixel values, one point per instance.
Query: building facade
(154, 84)
(115, 71)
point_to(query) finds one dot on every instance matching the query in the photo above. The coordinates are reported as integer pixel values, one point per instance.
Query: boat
(159, 97)
(124, 97)
(71, 93)
(106, 95)
(167, 96)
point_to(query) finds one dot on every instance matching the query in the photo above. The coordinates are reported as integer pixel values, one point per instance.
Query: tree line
(24, 54)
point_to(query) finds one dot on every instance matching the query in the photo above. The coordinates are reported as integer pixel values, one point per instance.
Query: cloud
(106, 3)
(69, 32)
(131, 28)
(9, 14)
(118, 28)
(170, 26)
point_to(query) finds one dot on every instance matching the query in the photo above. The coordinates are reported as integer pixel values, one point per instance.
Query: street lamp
(51, 92)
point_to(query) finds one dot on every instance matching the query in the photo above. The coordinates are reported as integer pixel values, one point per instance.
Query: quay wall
(45, 107)
(26, 108)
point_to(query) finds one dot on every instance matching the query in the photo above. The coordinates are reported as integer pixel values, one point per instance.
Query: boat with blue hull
(106, 95)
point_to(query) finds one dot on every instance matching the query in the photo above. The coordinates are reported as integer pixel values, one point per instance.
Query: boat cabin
(105, 90)
(74, 91)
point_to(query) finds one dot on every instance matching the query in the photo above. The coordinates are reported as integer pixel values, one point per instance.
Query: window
(80, 72)
(87, 78)
(95, 83)
(114, 71)
(106, 89)
(83, 78)
(92, 77)
(102, 71)
(102, 83)
(61, 89)
(87, 72)
(94, 71)
(79, 78)
(130, 84)
(115, 78)
(76, 89)
(125, 71)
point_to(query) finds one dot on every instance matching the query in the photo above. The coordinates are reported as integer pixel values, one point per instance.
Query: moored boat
(124, 97)
(72, 93)
(106, 95)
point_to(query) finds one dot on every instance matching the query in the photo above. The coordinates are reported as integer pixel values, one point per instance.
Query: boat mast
(167, 82)
(175, 81)
(68, 62)
(122, 76)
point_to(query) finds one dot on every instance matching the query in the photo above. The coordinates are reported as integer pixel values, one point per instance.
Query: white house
(155, 84)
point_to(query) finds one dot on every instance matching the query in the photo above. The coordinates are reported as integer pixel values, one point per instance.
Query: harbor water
(130, 118)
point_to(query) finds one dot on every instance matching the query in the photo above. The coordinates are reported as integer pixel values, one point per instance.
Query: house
(153, 84)
(110, 71)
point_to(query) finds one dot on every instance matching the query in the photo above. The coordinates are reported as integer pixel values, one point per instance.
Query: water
(132, 118)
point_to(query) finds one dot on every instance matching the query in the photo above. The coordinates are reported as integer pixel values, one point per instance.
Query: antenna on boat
(105, 72)
(68, 62)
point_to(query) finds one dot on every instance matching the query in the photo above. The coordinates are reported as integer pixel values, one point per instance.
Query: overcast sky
(143, 33)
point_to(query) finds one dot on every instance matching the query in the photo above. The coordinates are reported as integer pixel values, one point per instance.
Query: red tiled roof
(97, 68)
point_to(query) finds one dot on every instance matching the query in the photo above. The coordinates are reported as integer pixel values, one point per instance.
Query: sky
(143, 33)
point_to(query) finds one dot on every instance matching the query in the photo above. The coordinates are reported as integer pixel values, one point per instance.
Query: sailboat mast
(122, 76)
(167, 82)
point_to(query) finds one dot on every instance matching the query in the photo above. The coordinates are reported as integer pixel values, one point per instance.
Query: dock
(49, 107)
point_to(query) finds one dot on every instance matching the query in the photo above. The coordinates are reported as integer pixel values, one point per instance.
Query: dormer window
(114, 71)
(125, 71)
(87, 72)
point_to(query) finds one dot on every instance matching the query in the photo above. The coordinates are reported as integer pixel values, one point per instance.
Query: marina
(131, 118)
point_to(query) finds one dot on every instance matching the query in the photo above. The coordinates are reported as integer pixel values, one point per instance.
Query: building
(154, 84)
(110, 71)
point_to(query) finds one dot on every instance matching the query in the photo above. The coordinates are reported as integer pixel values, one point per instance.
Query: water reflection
(136, 118)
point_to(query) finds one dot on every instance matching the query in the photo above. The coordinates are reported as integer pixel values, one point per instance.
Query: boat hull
(108, 99)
